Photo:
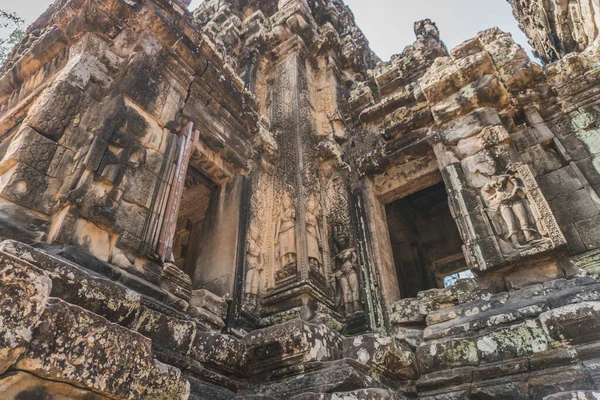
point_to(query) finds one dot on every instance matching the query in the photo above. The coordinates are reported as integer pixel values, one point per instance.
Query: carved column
(296, 176)
(187, 141)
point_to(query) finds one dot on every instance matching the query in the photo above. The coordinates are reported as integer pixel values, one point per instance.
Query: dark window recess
(425, 240)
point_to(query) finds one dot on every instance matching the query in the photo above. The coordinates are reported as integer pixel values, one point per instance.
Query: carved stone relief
(286, 254)
(255, 263)
(509, 210)
(313, 233)
(519, 214)
(347, 288)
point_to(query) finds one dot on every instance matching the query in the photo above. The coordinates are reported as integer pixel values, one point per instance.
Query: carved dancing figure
(285, 232)
(507, 201)
(313, 234)
(346, 276)
(255, 265)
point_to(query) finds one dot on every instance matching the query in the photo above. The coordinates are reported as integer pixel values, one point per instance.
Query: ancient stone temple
(244, 202)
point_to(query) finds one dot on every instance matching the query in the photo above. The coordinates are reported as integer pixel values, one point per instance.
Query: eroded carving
(254, 265)
(313, 233)
(509, 209)
(347, 287)
(285, 232)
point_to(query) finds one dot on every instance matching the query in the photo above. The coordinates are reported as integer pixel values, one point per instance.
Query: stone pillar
(188, 138)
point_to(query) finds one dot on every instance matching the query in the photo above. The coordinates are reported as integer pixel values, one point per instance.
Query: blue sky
(387, 23)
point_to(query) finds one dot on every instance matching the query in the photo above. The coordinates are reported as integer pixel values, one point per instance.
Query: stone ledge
(68, 344)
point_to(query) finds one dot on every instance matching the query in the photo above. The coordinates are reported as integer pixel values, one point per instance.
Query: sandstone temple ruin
(244, 202)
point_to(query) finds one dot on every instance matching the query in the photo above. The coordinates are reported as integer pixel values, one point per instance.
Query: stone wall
(295, 287)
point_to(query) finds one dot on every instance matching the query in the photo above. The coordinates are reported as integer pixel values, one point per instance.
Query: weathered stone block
(469, 309)
(26, 186)
(291, 343)
(513, 63)
(31, 148)
(558, 380)
(436, 299)
(61, 163)
(410, 338)
(447, 76)
(573, 239)
(500, 389)
(553, 358)
(206, 320)
(446, 394)
(572, 324)
(571, 292)
(467, 48)
(209, 301)
(95, 240)
(166, 383)
(559, 182)
(406, 311)
(514, 341)
(73, 284)
(24, 386)
(54, 110)
(365, 394)
(327, 377)
(24, 293)
(469, 125)
(445, 354)
(166, 332)
(525, 276)
(74, 346)
(501, 309)
(143, 127)
(589, 231)
(382, 354)
(485, 92)
(575, 395)
(140, 185)
(501, 369)
(19, 223)
(221, 352)
(131, 218)
(489, 137)
(573, 207)
(452, 377)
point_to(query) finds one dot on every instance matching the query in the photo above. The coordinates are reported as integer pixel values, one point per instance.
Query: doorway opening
(189, 238)
(426, 242)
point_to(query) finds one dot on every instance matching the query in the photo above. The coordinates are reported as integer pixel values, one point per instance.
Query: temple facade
(244, 202)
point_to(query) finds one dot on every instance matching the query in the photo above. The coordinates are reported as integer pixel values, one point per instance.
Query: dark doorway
(195, 201)
(425, 240)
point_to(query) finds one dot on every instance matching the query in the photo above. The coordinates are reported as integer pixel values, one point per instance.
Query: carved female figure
(313, 234)
(346, 262)
(285, 232)
(507, 200)
(255, 265)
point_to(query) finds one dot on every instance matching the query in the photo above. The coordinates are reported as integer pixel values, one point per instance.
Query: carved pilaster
(187, 140)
